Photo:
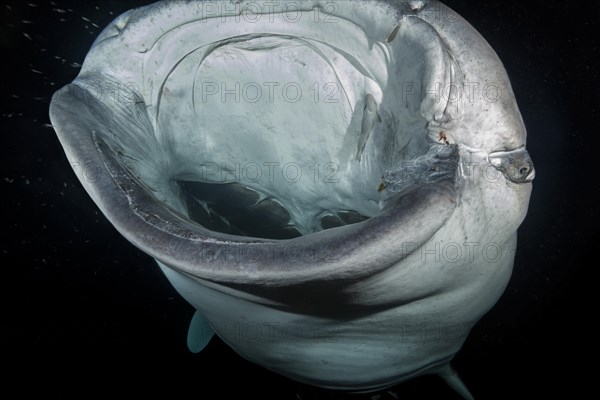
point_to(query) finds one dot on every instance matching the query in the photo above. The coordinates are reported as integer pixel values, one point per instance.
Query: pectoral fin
(199, 333)
(453, 380)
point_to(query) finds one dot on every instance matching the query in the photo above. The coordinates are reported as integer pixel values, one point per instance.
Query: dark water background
(81, 306)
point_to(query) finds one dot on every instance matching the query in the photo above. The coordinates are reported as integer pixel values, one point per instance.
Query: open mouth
(286, 130)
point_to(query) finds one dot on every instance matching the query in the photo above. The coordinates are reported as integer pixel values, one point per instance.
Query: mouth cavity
(282, 134)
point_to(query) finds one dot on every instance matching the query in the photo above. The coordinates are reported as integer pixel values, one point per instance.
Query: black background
(81, 307)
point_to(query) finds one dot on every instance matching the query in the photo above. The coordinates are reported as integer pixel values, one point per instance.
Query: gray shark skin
(223, 140)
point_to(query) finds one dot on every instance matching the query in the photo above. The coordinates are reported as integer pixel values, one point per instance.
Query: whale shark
(282, 163)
